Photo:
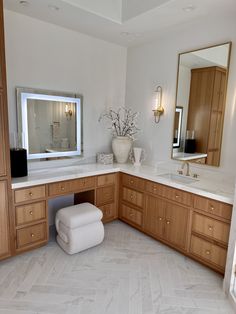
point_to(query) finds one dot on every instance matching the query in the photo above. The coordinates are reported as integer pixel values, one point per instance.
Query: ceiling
(213, 56)
(124, 22)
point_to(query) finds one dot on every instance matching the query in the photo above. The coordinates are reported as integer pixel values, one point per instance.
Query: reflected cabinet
(206, 110)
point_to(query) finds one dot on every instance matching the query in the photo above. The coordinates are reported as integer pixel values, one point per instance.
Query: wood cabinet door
(176, 224)
(199, 112)
(154, 218)
(4, 227)
(2, 139)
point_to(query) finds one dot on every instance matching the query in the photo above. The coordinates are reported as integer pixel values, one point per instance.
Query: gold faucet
(187, 170)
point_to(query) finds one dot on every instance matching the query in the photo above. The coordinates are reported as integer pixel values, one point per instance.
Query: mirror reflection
(50, 124)
(201, 92)
(52, 129)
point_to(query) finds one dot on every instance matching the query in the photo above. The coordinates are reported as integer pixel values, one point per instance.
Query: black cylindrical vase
(18, 162)
(190, 146)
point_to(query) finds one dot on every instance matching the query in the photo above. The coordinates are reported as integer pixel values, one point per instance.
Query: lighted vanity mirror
(200, 104)
(50, 123)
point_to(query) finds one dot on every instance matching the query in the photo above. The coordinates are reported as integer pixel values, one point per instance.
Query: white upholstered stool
(79, 227)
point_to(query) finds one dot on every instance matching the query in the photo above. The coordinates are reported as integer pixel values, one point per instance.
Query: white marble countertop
(187, 156)
(220, 189)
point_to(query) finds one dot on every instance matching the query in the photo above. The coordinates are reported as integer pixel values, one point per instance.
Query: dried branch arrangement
(121, 122)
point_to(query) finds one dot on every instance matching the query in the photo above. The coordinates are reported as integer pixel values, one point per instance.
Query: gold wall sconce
(68, 112)
(158, 109)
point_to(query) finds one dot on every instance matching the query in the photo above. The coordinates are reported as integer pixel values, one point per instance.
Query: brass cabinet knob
(212, 207)
(131, 196)
(167, 222)
(131, 181)
(176, 196)
(31, 213)
(160, 218)
(208, 252)
(210, 228)
(32, 235)
(62, 188)
(30, 194)
(154, 189)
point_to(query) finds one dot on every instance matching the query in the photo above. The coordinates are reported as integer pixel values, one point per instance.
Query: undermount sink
(178, 178)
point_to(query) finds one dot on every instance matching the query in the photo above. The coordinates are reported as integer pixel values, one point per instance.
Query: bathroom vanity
(192, 220)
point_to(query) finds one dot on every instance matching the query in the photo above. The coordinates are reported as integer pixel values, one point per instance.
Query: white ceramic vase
(121, 146)
(137, 155)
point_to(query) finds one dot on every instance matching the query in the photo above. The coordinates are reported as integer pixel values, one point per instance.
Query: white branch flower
(122, 122)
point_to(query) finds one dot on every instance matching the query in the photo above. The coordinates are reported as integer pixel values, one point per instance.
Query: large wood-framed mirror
(201, 92)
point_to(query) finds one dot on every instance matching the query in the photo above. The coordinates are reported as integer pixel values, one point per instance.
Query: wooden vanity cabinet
(31, 219)
(210, 232)
(4, 223)
(107, 196)
(195, 225)
(132, 200)
(6, 240)
(167, 221)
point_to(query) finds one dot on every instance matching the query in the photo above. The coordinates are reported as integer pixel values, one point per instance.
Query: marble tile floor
(129, 273)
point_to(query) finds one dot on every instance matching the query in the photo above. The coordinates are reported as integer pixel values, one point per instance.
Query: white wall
(155, 64)
(45, 56)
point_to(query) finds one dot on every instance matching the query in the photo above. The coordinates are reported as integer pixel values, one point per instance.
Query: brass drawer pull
(30, 194)
(154, 189)
(62, 188)
(208, 252)
(210, 228)
(31, 213)
(160, 218)
(212, 207)
(131, 181)
(177, 196)
(167, 222)
(32, 235)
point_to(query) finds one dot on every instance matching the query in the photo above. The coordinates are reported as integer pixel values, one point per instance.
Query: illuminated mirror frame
(23, 94)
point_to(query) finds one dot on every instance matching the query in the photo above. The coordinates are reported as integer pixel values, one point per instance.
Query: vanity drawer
(109, 211)
(133, 197)
(105, 195)
(71, 186)
(210, 227)
(30, 194)
(179, 196)
(30, 213)
(31, 235)
(213, 207)
(154, 188)
(131, 215)
(133, 182)
(208, 251)
(106, 179)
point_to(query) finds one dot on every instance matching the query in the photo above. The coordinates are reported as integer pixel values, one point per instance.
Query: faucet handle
(180, 172)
